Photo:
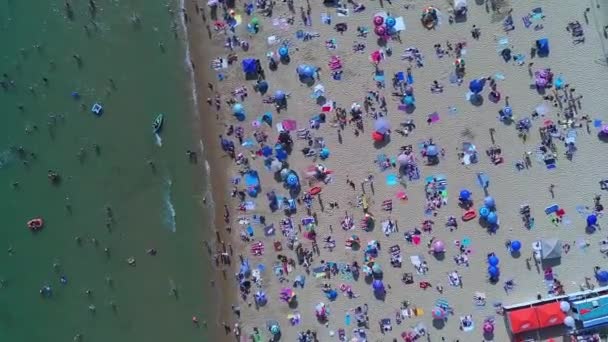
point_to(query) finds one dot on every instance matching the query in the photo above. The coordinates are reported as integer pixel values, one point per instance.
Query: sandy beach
(366, 178)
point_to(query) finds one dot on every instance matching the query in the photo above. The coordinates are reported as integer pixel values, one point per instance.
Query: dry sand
(575, 182)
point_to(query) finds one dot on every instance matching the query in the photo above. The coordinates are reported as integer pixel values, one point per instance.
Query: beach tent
(249, 66)
(550, 314)
(522, 320)
(542, 46)
(551, 249)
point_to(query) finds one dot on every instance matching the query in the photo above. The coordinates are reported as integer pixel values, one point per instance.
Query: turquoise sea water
(132, 63)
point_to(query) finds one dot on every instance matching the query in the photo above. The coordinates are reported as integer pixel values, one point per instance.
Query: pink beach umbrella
(380, 31)
(438, 246)
(438, 313)
(488, 327)
(378, 20)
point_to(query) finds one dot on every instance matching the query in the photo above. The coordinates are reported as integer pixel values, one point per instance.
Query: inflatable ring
(469, 215)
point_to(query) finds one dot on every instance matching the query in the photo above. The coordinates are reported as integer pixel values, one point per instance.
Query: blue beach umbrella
(492, 218)
(279, 95)
(409, 100)
(266, 151)
(465, 195)
(507, 111)
(489, 202)
(515, 246)
(382, 125)
(591, 220)
(493, 260)
(476, 86)
(377, 285)
(262, 86)
(432, 151)
(390, 22)
(283, 51)
(493, 271)
(484, 212)
(292, 180)
(306, 71)
(602, 276)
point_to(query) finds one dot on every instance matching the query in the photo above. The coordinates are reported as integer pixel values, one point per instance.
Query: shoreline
(214, 162)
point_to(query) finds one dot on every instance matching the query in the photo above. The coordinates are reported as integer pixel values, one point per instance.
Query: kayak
(157, 124)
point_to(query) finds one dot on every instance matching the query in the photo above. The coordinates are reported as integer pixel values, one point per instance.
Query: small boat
(157, 124)
(35, 224)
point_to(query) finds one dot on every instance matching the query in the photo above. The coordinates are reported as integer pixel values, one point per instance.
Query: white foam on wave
(158, 139)
(188, 61)
(169, 212)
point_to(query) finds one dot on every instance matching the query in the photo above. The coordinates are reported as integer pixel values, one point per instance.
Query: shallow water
(152, 207)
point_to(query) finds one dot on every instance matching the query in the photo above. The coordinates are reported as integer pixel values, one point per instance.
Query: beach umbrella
(279, 95)
(489, 202)
(569, 322)
(238, 108)
(465, 195)
(438, 313)
(378, 20)
(409, 90)
(331, 294)
(377, 136)
(249, 65)
(292, 180)
(493, 271)
(476, 86)
(604, 129)
(382, 125)
(601, 276)
(281, 154)
(542, 109)
(376, 268)
(320, 310)
(390, 22)
(260, 298)
(266, 151)
(564, 306)
(276, 166)
(432, 151)
(378, 286)
(493, 260)
(324, 154)
(492, 218)
(591, 220)
(515, 245)
(409, 100)
(484, 212)
(380, 30)
(274, 329)
(403, 159)
(283, 51)
(438, 246)
(262, 86)
(507, 111)
(488, 328)
(306, 71)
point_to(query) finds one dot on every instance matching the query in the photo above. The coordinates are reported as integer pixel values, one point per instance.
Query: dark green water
(146, 81)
